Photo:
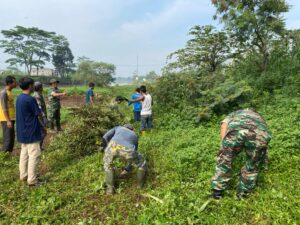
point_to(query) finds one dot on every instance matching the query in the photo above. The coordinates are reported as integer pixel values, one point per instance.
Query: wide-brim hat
(53, 81)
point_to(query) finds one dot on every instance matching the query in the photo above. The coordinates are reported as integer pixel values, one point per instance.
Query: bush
(83, 134)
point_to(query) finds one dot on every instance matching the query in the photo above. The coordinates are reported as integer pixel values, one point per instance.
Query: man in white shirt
(146, 113)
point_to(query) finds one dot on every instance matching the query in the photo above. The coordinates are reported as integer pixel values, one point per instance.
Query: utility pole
(137, 65)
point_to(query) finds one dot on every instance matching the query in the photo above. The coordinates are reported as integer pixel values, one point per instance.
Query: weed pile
(82, 136)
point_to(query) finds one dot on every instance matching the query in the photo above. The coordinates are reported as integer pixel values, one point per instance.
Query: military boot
(109, 176)
(216, 194)
(141, 177)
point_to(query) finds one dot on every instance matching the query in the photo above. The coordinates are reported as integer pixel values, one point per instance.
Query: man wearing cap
(54, 105)
(121, 141)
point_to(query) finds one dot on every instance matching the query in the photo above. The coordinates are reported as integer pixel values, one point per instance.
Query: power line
(139, 65)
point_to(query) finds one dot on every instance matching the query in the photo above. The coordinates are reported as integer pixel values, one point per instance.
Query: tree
(62, 56)
(253, 23)
(207, 49)
(100, 73)
(29, 46)
(152, 75)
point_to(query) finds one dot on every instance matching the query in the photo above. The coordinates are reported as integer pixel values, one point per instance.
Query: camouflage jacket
(54, 102)
(246, 119)
(42, 105)
(40, 101)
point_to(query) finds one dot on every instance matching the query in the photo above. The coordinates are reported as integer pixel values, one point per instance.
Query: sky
(119, 31)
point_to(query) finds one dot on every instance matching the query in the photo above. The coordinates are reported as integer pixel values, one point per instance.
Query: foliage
(32, 47)
(100, 73)
(194, 97)
(85, 130)
(208, 49)
(254, 24)
(62, 56)
(181, 163)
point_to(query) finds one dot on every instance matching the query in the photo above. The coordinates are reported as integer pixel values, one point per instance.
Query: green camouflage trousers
(255, 144)
(131, 156)
(54, 117)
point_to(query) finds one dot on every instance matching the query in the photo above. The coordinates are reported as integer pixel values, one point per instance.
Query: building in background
(45, 72)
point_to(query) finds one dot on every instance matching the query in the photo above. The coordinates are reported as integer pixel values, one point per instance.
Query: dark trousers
(137, 116)
(54, 116)
(146, 122)
(8, 136)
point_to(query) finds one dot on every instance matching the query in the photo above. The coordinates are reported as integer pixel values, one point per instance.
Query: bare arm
(58, 94)
(92, 99)
(137, 100)
(223, 130)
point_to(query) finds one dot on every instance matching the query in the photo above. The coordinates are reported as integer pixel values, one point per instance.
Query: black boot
(141, 177)
(242, 194)
(216, 194)
(110, 188)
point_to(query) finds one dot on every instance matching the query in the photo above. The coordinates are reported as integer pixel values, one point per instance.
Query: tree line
(254, 55)
(32, 47)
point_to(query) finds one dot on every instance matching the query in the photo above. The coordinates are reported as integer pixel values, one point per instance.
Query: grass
(181, 163)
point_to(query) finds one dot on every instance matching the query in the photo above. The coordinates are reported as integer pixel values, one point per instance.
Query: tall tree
(207, 49)
(253, 23)
(62, 56)
(29, 46)
(100, 73)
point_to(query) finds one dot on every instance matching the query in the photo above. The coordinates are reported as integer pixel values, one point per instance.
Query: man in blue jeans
(137, 106)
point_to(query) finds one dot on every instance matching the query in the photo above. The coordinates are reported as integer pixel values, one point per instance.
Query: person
(54, 95)
(89, 95)
(121, 141)
(8, 114)
(146, 112)
(137, 106)
(38, 95)
(243, 129)
(28, 132)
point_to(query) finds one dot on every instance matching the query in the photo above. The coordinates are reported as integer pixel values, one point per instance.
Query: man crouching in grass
(28, 132)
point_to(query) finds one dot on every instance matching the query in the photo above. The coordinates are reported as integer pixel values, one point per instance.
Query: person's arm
(4, 103)
(109, 134)
(55, 94)
(131, 98)
(38, 112)
(137, 100)
(223, 131)
(92, 97)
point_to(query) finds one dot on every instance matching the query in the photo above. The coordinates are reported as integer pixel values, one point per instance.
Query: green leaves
(207, 49)
(100, 73)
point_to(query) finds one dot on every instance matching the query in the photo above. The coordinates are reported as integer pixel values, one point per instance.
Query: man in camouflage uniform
(243, 129)
(38, 95)
(122, 142)
(54, 95)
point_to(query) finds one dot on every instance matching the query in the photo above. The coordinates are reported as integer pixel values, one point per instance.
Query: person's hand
(103, 144)
(64, 94)
(45, 130)
(126, 99)
(9, 124)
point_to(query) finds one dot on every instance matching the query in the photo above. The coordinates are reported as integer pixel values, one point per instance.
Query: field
(181, 163)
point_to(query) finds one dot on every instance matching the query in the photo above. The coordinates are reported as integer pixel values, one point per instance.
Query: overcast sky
(116, 31)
